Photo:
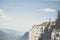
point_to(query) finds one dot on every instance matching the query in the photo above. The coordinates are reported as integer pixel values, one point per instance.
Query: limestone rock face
(39, 31)
(46, 30)
(35, 32)
(55, 35)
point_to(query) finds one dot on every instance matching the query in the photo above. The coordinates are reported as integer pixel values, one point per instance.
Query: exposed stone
(46, 30)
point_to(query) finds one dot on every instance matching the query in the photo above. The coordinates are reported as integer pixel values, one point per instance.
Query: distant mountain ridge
(3, 36)
(24, 37)
(7, 34)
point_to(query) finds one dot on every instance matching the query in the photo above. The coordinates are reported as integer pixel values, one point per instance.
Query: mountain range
(6, 34)
(24, 37)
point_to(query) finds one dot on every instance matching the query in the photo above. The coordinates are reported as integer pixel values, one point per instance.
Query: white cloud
(4, 16)
(47, 10)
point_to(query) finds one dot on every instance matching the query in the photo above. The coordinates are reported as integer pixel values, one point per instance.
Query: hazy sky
(21, 15)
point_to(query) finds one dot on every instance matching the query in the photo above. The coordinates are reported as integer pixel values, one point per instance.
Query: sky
(21, 15)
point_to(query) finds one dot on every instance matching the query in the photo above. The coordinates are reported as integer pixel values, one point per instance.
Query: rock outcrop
(46, 30)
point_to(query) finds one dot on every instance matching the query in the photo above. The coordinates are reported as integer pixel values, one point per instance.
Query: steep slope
(6, 34)
(3, 36)
(24, 37)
